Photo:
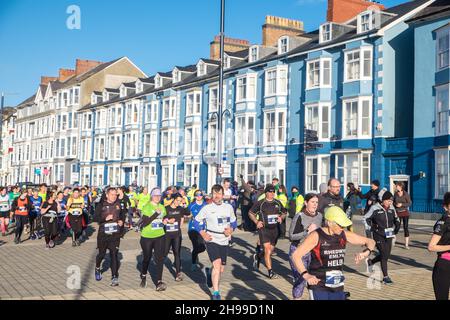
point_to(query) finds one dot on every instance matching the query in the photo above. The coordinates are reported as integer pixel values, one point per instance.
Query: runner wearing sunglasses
(327, 246)
(267, 214)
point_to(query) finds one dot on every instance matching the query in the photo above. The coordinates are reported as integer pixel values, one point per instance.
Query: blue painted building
(367, 86)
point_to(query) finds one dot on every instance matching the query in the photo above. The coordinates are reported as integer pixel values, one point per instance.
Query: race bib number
(272, 219)
(389, 232)
(52, 212)
(22, 209)
(111, 228)
(172, 227)
(76, 213)
(157, 224)
(334, 279)
(221, 221)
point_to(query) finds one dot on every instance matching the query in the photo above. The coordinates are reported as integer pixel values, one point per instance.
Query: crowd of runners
(319, 228)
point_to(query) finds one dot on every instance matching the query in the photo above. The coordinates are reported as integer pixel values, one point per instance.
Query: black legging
(21, 221)
(175, 244)
(441, 279)
(405, 221)
(198, 244)
(76, 224)
(50, 229)
(384, 247)
(111, 244)
(248, 224)
(157, 247)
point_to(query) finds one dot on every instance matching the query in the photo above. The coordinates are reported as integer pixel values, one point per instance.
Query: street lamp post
(220, 104)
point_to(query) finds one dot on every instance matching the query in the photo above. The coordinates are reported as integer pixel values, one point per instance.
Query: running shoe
(16, 240)
(143, 281)
(406, 247)
(114, 282)
(74, 244)
(47, 247)
(33, 236)
(51, 244)
(369, 265)
(98, 274)
(256, 261)
(161, 286)
(208, 277)
(78, 242)
(272, 275)
(387, 280)
(216, 297)
(179, 277)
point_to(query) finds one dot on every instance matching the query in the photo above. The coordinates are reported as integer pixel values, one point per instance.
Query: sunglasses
(199, 195)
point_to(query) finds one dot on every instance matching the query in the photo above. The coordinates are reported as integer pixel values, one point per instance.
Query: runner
(384, 224)
(173, 221)
(49, 211)
(142, 199)
(153, 238)
(62, 214)
(43, 192)
(327, 247)
(229, 198)
(110, 216)
(191, 192)
(198, 244)
(5, 210)
(440, 243)
(267, 214)
(303, 223)
(86, 209)
(21, 207)
(332, 197)
(125, 202)
(35, 215)
(132, 195)
(216, 222)
(402, 202)
(168, 196)
(282, 197)
(184, 198)
(74, 220)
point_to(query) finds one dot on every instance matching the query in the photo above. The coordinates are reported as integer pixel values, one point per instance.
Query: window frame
(280, 90)
(361, 64)
(439, 132)
(320, 123)
(437, 153)
(360, 104)
(441, 34)
(360, 155)
(319, 175)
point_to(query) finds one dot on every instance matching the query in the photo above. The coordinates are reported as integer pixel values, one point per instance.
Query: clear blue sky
(156, 35)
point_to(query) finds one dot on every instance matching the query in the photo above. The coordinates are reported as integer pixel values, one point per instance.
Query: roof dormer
(253, 54)
(176, 75)
(96, 97)
(331, 30)
(325, 32)
(283, 44)
(205, 66)
(162, 79)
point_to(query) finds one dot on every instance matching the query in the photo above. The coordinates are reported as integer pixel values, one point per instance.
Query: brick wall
(275, 27)
(231, 45)
(83, 66)
(64, 74)
(344, 10)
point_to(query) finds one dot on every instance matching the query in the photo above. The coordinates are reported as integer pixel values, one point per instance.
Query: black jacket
(102, 211)
(379, 219)
(372, 198)
(329, 200)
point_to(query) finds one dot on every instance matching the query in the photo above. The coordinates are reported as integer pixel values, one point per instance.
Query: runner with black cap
(384, 224)
(327, 246)
(267, 214)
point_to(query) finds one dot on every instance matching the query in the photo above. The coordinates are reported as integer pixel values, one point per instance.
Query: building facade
(355, 83)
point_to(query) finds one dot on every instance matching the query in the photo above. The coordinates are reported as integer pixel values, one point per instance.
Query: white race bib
(221, 221)
(334, 279)
(272, 219)
(111, 228)
(76, 212)
(172, 227)
(157, 224)
(389, 233)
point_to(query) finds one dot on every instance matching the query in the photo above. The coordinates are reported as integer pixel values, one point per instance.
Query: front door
(397, 178)
(127, 172)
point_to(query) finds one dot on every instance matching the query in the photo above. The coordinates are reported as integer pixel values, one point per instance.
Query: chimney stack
(275, 27)
(343, 10)
(65, 74)
(83, 66)
(230, 44)
(45, 79)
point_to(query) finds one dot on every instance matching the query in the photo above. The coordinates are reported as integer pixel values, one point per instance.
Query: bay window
(358, 60)
(441, 173)
(246, 88)
(317, 172)
(317, 118)
(276, 81)
(443, 49)
(356, 115)
(274, 127)
(193, 103)
(442, 110)
(319, 73)
(353, 167)
(212, 137)
(247, 168)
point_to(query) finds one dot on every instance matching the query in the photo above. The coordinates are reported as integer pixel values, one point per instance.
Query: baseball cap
(269, 188)
(155, 192)
(337, 215)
